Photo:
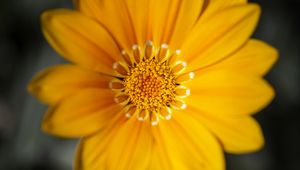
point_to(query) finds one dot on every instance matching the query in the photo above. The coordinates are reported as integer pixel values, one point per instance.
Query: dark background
(23, 52)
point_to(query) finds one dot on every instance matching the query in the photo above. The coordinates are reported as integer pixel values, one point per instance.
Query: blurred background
(23, 52)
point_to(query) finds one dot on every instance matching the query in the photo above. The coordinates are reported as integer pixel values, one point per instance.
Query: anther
(130, 111)
(178, 104)
(149, 49)
(174, 56)
(182, 91)
(121, 99)
(185, 77)
(143, 115)
(154, 119)
(116, 85)
(179, 67)
(163, 53)
(126, 57)
(166, 113)
(119, 68)
(136, 53)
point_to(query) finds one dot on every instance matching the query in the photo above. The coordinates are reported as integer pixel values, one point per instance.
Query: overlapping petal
(226, 92)
(173, 19)
(134, 22)
(255, 57)
(114, 16)
(131, 151)
(219, 35)
(188, 14)
(214, 6)
(237, 134)
(92, 150)
(58, 82)
(114, 148)
(81, 114)
(75, 3)
(185, 144)
(80, 39)
(140, 17)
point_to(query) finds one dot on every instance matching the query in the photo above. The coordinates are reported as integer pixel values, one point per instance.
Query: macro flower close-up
(155, 84)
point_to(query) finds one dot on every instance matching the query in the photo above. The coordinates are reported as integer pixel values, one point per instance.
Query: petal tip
(31, 88)
(275, 54)
(46, 127)
(255, 7)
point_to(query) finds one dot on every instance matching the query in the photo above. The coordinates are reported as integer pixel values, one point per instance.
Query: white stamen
(178, 52)
(192, 75)
(154, 123)
(115, 65)
(110, 85)
(188, 92)
(183, 63)
(183, 106)
(116, 100)
(128, 115)
(135, 47)
(123, 52)
(165, 46)
(168, 117)
(149, 43)
(141, 119)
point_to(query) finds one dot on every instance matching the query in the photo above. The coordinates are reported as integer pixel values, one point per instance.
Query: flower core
(150, 85)
(150, 82)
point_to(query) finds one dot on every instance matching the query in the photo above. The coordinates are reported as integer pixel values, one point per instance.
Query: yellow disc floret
(150, 82)
(150, 85)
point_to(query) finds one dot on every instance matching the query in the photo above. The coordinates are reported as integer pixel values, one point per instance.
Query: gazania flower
(156, 84)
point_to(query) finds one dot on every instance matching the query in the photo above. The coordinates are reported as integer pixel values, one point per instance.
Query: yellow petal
(92, 150)
(173, 19)
(162, 13)
(114, 16)
(214, 6)
(139, 12)
(173, 27)
(189, 12)
(225, 92)
(218, 36)
(75, 3)
(58, 82)
(164, 21)
(81, 114)
(182, 143)
(135, 21)
(80, 39)
(255, 57)
(131, 146)
(238, 134)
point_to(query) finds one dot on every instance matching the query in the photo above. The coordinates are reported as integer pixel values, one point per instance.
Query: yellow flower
(156, 84)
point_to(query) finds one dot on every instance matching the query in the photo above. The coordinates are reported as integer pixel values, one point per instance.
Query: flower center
(150, 85)
(149, 82)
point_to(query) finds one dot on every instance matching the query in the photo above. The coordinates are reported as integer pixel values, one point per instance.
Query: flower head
(155, 84)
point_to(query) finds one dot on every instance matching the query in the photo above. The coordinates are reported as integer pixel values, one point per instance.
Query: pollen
(150, 85)
(150, 82)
